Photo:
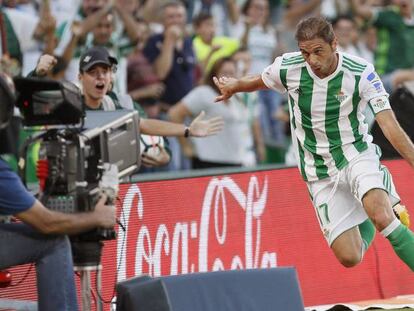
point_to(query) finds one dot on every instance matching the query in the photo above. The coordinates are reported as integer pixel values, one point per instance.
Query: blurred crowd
(168, 52)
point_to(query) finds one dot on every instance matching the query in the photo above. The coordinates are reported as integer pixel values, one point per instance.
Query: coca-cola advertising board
(246, 220)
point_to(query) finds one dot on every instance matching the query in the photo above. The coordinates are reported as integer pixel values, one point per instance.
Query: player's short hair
(314, 27)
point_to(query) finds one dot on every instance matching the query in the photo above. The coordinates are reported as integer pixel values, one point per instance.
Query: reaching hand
(226, 86)
(202, 128)
(155, 160)
(46, 63)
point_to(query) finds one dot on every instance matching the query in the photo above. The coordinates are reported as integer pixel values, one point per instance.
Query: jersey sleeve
(372, 90)
(271, 76)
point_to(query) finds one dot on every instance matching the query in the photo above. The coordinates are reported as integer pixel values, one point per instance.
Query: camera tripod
(86, 286)
(87, 259)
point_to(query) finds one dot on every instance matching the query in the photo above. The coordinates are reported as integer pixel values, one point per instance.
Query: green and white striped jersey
(326, 114)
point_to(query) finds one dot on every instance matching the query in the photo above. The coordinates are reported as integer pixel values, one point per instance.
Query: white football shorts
(338, 199)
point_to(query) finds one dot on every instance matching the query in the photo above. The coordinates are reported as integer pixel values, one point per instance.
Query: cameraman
(40, 237)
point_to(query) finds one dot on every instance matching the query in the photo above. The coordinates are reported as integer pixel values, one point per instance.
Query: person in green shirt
(394, 59)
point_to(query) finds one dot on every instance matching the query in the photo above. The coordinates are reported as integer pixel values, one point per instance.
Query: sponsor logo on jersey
(378, 86)
(341, 96)
(371, 76)
(375, 81)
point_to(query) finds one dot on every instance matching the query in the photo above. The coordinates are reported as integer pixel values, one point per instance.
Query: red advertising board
(240, 221)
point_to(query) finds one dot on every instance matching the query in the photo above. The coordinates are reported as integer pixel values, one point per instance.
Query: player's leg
(342, 219)
(399, 210)
(378, 207)
(366, 177)
(348, 247)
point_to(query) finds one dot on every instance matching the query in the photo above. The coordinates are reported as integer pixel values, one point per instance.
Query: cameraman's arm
(51, 222)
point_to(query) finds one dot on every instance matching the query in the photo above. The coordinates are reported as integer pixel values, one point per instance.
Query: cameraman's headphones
(7, 99)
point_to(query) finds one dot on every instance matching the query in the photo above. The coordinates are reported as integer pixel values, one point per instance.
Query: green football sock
(402, 240)
(367, 231)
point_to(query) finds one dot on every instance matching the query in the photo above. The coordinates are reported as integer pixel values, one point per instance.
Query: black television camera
(81, 154)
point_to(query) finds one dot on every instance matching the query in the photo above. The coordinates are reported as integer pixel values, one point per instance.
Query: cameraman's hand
(45, 64)
(105, 214)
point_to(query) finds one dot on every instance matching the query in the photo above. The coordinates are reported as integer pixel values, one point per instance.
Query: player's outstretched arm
(229, 86)
(396, 135)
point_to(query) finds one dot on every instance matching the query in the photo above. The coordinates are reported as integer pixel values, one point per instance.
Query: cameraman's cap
(96, 55)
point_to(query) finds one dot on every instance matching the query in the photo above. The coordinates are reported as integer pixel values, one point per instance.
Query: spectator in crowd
(331, 9)
(73, 34)
(64, 10)
(143, 83)
(367, 43)
(20, 34)
(225, 12)
(261, 40)
(243, 61)
(103, 34)
(48, 41)
(345, 30)
(207, 46)
(394, 59)
(172, 55)
(241, 135)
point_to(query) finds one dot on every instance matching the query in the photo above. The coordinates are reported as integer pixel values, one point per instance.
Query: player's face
(96, 81)
(320, 55)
